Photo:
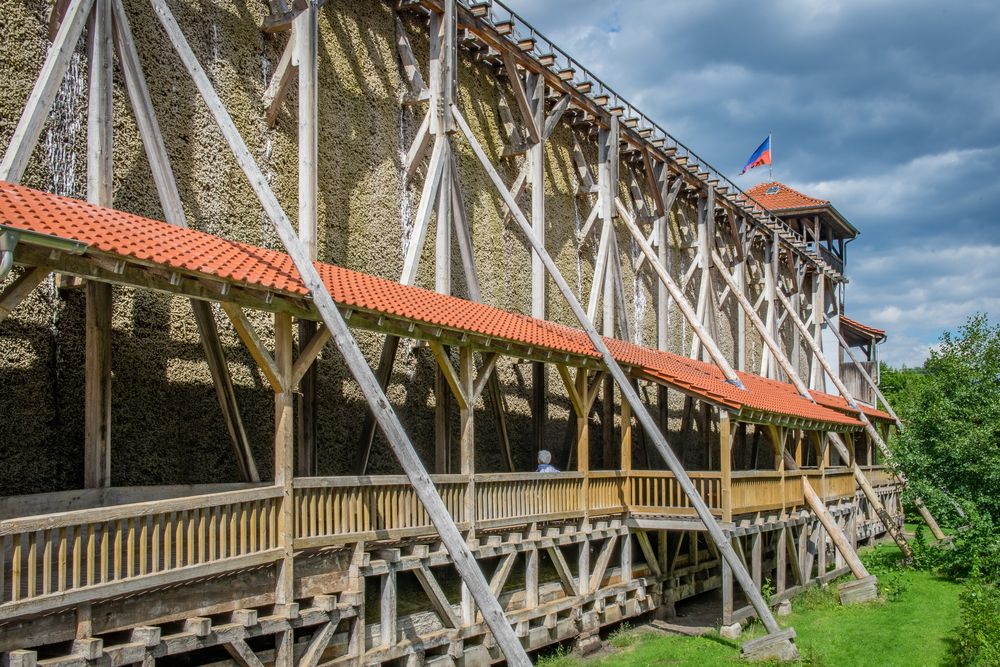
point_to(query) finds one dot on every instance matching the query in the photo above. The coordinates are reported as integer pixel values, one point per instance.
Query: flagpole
(770, 142)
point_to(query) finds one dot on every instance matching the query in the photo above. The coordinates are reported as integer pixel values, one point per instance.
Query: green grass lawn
(910, 629)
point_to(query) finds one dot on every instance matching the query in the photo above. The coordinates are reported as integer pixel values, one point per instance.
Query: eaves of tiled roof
(162, 247)
(862, 330)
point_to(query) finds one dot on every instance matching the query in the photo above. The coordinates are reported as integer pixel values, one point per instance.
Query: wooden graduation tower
(727, 432)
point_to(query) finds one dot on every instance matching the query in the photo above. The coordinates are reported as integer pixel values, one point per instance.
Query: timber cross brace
(750, 489)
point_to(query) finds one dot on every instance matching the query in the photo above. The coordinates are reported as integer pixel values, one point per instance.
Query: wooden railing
(503, 498)
(659, 491)
(71, 557)
(68, 558)
(879, 475)
(608, 492)
(332, 510)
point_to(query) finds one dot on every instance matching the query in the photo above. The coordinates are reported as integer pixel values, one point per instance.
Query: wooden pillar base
(777, 646)
(858, 591)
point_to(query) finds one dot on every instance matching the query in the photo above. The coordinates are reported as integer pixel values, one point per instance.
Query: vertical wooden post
(583, 440)
(727, 593)
(356, 641)
(388, 608)
(726, 464)
(531, 577)
(756, 557)
(467, 430)
(583, 564)
(780, 560)
(97, 392)
(284, 447)
(305, 30)
(626, 557)
(625, 464)
(536, 162)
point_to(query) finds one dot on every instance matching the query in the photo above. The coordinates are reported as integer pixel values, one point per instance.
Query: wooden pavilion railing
(72, 557)
(68, 558)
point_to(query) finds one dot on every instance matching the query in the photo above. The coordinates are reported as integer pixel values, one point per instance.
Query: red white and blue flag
(760, 156)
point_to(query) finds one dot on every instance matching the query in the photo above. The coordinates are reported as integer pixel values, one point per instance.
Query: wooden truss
(732, 244)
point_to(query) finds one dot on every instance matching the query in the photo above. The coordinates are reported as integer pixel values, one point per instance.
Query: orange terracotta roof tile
(862, 329)
(840, 403)
(776, 196)
(159, 244)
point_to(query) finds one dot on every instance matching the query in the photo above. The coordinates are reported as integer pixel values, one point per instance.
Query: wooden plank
(493, 613)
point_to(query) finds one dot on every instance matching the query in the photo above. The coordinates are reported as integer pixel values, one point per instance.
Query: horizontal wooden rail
(53, 560)
(658, 491)
(65, 558)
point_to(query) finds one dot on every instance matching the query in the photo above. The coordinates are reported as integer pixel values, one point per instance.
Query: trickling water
(638, 299)
(64, 128)
(405, 213)
(215, 42)
(576, 243)
(59, 146)
(406, 227)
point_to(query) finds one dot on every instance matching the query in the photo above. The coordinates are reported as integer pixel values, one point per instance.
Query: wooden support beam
(284, 473)
(523, 104)
(242, 654)
(309, 353)
(277, 88)
(255, 346)
(97, 392)
(601, 565)
(678, 296)
(411, 71)
(173, 211)
(357, 364)
(20, 288)
(649, 425)
(319, 643)
(836, 534)
(437, 597)
(642, 537)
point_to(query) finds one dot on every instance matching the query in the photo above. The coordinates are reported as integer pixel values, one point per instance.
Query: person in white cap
(545, 462)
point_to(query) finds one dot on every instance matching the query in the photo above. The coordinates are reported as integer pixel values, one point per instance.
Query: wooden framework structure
(307, 554)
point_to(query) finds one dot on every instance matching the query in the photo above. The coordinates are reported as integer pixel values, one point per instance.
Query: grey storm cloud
(889, 108)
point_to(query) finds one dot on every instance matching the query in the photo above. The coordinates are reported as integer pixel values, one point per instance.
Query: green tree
(951, 411)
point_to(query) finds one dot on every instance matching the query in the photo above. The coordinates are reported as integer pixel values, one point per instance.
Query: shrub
(977, 638)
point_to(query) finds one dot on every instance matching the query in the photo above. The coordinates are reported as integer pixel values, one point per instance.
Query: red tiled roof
(783, 198)
(159, 244)
(862, 329)
(840, 403)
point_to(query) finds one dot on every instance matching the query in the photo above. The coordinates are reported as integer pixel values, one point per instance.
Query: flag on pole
(760, 156)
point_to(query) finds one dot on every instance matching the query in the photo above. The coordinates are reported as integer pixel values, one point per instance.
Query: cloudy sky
(889, 108)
